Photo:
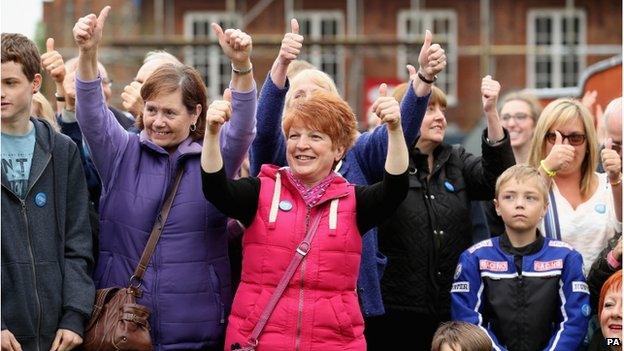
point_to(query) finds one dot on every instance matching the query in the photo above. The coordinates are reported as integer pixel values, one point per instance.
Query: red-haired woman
(609, 315)
(318, 310)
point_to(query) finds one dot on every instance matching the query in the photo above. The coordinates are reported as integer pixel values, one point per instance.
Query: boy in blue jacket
(528, 292)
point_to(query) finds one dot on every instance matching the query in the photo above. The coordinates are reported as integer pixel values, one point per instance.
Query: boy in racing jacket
(527, 291)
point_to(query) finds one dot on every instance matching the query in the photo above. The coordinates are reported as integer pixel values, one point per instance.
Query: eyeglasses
(574, 139)
(518, 117)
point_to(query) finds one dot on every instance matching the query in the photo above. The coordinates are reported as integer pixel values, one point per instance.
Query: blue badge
(586, 310)
(285, 205)
(600, 208)
(458, 271)
(41, 199)
(449, 186)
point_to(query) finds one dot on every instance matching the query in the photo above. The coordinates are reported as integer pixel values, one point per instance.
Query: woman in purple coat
(187, 283)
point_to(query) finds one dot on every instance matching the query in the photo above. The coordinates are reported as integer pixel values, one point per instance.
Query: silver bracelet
(242, 72)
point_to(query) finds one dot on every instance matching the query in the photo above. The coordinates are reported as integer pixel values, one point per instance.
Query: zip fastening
(34, 271)
(300, 307)
(30, 250)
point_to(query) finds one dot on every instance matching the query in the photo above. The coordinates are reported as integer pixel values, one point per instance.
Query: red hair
(327, 113)
(614, 283)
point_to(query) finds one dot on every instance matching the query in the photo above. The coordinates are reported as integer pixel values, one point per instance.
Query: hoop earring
(193, 127)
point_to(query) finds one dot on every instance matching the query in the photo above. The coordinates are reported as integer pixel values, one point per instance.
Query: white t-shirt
(589, 227)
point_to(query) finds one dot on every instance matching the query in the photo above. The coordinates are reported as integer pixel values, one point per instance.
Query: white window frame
(312, 53)
(557, 49)
(215, 58)
(424, 19)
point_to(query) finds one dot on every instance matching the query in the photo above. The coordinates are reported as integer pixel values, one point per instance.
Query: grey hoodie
(46, 246)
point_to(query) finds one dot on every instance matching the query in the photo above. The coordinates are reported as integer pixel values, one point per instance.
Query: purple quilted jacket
(187, 283)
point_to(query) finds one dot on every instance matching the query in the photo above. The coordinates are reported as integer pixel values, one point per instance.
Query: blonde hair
(315, 76)
(468, 337)
(561, 112)
(525, 96)
(42, 109)
(399, 91)
(522, 174)
(296, 66)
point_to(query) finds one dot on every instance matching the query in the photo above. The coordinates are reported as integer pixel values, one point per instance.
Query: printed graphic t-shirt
(17, 153)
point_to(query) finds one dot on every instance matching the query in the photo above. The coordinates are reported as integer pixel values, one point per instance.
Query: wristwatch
(59, 98)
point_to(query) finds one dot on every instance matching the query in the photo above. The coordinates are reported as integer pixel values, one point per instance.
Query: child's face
(17, 92)
(520, 204)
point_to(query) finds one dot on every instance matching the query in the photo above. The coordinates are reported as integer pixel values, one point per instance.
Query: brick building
(542, 44)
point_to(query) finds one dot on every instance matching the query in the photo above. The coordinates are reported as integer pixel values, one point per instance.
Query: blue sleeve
(467, 296)
(574, 308)
(269, 146)
(371, 148)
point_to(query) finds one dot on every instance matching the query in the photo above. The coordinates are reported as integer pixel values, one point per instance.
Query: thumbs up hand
(561, 155)
(88, 30)
(611, 162)
(291, 44)
(218, 113)
(490, 89)
(387, 108)
(52, 62)
(236, 45)
(432, 58)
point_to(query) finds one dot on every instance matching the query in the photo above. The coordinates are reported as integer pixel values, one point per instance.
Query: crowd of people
(289, 229)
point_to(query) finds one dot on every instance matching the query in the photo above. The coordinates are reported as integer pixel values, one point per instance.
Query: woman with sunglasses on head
(585, 206)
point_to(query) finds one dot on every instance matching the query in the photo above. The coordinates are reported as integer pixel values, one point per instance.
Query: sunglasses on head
(574, 139)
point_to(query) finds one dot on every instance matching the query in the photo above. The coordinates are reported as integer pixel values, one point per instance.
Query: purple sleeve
(371, 148)
(269, 145)
(237, 135)
(106, 138)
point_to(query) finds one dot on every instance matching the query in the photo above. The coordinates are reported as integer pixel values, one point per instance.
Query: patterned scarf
(311, 195)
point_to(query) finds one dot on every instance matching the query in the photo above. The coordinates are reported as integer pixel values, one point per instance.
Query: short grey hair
(161, 55)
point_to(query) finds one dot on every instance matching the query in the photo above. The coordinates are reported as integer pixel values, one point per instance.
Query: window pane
(570, 70)
(570, 31)
(441, 26)
(543, 31)
(543, 72)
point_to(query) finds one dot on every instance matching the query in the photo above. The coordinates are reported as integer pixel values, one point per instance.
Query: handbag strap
(551, 219)
(159, 225)
(302, 250)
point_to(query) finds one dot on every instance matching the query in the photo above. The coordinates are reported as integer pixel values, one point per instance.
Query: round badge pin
(600, 208)
(41, 199)
(285, 205)
(449, 186)
(586, 310)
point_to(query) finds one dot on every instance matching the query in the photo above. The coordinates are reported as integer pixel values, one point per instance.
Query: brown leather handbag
(117, 321)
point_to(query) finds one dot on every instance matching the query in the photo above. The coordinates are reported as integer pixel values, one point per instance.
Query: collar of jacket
(187, 147)
(334, 191)
(529, 249)
(44, 144)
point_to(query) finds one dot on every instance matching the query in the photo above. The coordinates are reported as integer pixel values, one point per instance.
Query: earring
(193, 127)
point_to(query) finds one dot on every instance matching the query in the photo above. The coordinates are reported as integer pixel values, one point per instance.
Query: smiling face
(516, 117)
(167, 121)
(520, 204)
(433, 126)
(17, 92)
(611, 315)
(310, 154)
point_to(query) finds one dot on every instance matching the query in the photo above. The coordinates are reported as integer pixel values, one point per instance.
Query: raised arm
(371, 148)
(106, 138)
(236, 136)
(53, 63)
(612, 164)
(269, 146)
(490, 89)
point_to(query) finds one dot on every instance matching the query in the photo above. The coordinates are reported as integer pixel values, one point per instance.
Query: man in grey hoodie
(47, 292)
